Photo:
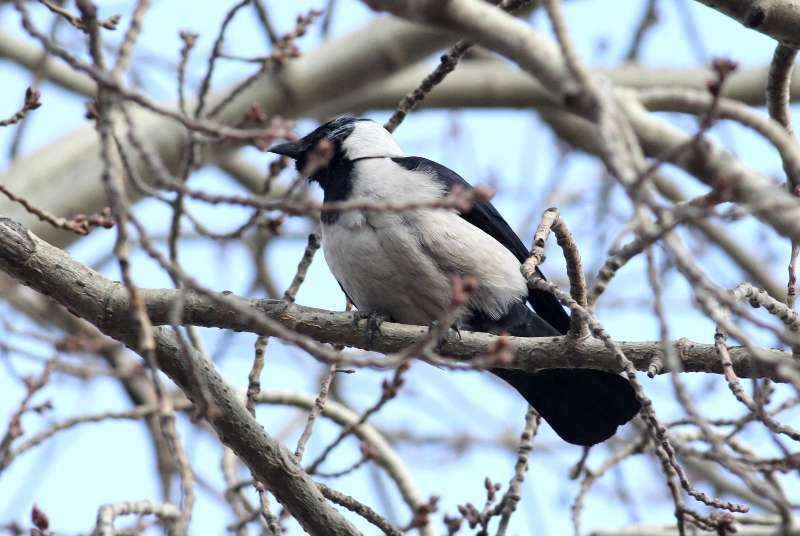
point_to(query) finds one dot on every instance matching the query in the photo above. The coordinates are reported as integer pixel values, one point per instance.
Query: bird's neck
(336, 180)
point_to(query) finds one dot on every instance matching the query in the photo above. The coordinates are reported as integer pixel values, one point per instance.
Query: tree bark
(106, 304)
(87, 294)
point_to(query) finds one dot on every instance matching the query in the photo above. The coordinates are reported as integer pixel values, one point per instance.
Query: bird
(398, 265)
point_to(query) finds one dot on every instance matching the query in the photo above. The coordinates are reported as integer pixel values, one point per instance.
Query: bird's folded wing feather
(485, 217)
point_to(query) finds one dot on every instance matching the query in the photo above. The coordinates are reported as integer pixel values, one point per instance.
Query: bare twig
(32, 102)
(508, 503)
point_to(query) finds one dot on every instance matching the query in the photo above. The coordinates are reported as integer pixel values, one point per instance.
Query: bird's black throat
(336, 180)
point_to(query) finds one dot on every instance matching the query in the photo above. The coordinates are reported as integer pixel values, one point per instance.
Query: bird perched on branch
(398, 264)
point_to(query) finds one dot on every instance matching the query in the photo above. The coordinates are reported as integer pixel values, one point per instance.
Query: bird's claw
(442, 339)
(374, 320)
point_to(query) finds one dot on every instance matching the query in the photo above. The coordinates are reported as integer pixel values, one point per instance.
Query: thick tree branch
(29, 56)
(494, 84)
(485, 83)
(583, 135)
(90, 295)
(779, 19)
(541, 58)
(38, 264)
(61, 176)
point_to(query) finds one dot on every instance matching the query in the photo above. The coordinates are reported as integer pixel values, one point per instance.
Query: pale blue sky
(110, 462)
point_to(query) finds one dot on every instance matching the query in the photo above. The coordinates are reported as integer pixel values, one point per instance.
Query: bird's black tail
(583, 406)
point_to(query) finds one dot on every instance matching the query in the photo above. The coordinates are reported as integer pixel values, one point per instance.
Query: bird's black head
(317, 150)
(327, 153)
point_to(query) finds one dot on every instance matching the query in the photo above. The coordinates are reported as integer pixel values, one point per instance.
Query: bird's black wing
(346, 295)
(485, 217)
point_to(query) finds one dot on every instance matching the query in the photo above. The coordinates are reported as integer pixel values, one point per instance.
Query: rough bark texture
(105, 303)
(779, 19)
(539, 57)
(90, 296)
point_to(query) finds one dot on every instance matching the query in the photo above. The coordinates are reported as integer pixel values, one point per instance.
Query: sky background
(110, 462)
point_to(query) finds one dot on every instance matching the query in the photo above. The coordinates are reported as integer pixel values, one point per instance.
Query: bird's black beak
(291, 149)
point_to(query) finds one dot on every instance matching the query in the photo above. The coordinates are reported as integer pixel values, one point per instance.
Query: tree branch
(495, 84)
(105, 303)
(59, 175)
(778, 19)
(38, 265)
(540, 57)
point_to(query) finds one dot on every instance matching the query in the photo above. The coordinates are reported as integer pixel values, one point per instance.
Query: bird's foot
(374, 320)
(444, 335)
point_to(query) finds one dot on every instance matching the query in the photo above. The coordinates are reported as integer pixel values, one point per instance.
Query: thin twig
(32, 96)
(508, 504)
